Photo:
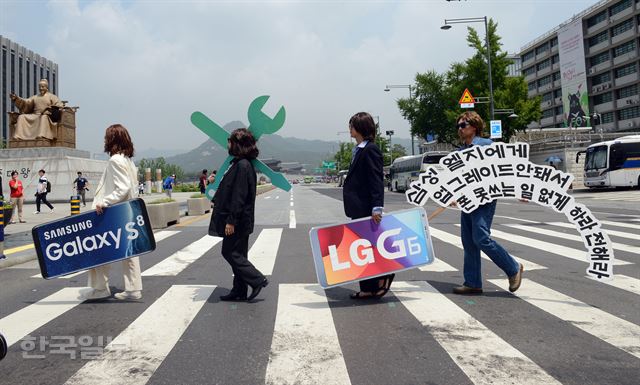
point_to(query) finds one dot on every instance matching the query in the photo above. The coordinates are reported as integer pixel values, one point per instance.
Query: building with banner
(20, 71)
(587, 70)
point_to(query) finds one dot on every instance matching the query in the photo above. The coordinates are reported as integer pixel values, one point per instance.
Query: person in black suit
(363, 191)
(233, 216)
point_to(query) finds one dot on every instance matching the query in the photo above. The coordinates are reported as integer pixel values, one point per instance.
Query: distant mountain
(152, 153)
(210, 155)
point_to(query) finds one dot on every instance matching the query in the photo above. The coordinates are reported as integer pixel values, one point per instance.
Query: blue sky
(149, 64)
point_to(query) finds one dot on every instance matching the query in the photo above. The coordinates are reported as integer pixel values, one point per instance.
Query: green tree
(161, 163)
(426, 112)
(435, 109)
(343, 156)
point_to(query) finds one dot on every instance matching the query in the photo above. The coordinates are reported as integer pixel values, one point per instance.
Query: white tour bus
(614, 163)
(406, 169)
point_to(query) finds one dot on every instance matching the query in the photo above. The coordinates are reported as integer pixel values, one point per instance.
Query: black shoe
(233, 296)
(256, 290)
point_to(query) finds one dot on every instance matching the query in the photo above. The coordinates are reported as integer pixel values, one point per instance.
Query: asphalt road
(560, 327)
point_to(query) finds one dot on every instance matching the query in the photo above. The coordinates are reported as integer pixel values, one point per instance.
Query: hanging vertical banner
(575, 98)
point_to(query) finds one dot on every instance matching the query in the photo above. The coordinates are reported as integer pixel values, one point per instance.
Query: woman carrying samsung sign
(119, 183)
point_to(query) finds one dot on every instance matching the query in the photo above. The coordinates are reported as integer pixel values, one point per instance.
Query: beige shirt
(119, 182)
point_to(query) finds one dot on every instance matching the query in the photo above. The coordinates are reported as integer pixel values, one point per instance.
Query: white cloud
(150, 64)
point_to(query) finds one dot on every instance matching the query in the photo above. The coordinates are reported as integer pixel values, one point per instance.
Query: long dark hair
(242, 144)
(118, 141)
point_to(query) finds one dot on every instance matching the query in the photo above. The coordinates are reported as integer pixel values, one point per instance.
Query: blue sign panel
(87, 240)
(496, 129)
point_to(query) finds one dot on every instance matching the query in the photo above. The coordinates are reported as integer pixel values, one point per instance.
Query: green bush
(186, 187)
(161, 200)
(198, 195)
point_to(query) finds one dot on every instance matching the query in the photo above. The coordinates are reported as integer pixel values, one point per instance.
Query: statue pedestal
(61, 166)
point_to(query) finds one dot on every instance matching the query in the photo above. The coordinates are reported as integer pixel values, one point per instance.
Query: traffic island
(163, 213)
(198, 204)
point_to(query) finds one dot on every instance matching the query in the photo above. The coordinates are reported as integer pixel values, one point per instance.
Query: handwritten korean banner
(482, 174)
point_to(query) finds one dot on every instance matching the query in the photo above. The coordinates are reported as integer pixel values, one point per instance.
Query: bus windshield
(432, 159)
(596, 158)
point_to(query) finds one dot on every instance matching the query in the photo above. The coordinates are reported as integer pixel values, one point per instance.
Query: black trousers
(42, 198)
(373, 284)
(235, 249)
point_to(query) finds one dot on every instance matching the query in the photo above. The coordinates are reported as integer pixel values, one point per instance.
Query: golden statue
(34, 121)
(43, 120)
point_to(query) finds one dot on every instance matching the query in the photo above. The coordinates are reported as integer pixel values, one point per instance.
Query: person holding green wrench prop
(259, 124)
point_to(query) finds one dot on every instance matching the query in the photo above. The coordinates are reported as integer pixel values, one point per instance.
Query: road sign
(496, 129)
(466, 101)
(329, 165)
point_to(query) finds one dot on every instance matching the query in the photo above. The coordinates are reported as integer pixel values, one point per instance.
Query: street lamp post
(410, 87)
(598, 117)
(389, 134)
(447, 25)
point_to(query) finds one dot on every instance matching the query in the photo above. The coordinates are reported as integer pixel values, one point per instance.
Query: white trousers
(99, 276)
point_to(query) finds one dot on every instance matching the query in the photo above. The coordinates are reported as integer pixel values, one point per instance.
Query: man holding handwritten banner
(476, 225)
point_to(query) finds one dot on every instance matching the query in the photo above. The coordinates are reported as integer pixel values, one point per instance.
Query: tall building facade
(20, 71)
(587, 70)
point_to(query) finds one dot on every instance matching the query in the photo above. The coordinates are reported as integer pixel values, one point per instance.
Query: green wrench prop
(259, 124)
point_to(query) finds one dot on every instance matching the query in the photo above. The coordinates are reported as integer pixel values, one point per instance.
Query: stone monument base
(61, 167)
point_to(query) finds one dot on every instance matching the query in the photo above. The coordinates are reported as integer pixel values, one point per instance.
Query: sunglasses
(462, 125)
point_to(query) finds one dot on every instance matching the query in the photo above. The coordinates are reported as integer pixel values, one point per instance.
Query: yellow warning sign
(466, 101)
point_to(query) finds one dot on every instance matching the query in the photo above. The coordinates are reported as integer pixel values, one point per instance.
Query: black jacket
(364, 186)
(235, 199)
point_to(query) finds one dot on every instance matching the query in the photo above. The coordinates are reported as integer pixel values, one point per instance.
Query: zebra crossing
(619, 196)
(306, 346)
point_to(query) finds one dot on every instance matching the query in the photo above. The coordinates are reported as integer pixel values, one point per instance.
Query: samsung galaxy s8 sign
(88, 240)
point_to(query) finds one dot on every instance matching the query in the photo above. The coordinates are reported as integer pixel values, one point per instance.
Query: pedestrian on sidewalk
(81, 185)
(476, 226)
(17, 195)
(43, 188)
(363, 191)
(234, 214)
(212, 177)
(119, 183)
(168, 184)
(202, 182)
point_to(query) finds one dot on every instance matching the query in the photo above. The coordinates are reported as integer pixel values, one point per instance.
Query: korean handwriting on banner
(482, 174)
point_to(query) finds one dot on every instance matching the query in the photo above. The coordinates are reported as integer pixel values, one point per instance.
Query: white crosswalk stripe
(164, 234)
(563, 251)
(624, 282)
(181, 259)
(438, 265)
(621, 224)
(572, 237)
(615, 233)
(265, 249)
(134, 355)
(616, 331)
(457, 242)
(19, 324)
(471, 345)
(305, 347)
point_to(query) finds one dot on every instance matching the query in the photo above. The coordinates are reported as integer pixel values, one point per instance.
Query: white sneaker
(136, 294)
(98, 294)
(37, 212)
(51, 210)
